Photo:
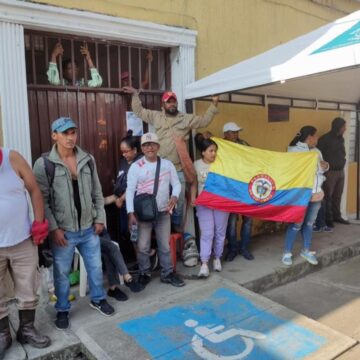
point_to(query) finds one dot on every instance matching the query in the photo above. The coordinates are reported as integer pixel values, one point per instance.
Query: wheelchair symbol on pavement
(217, 335)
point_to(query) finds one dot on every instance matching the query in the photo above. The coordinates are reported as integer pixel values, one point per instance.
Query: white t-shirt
(141, 178)
(202, 170)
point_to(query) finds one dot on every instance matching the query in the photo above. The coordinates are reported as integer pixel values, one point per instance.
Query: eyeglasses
(149, 144)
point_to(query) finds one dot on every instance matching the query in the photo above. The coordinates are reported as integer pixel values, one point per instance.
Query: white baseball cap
(231, 126)
(149, 138)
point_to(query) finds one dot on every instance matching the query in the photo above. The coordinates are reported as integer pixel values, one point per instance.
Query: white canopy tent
(319, 70)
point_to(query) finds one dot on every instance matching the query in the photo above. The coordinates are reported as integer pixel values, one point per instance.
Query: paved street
(330, 296)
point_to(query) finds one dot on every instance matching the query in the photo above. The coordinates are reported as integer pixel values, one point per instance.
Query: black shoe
(117, 294)
(247, 254)
(103, 307)
(134, 286)
(230, 256)
(330, 224)
(342, 221)
(62, 320)
(144, 279)
(172, 279)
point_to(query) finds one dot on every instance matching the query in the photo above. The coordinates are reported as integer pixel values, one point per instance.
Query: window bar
(140, 68)
(119, 66)
(159, 70)
(85, 66)
(149, 65)
(73, 62)
(60, 66)
(33, 58)
(167, 70)
(108, 64)
(46, 52)
(129, 57)
(97, 55)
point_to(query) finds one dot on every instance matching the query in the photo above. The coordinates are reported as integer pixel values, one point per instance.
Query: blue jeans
(245, 233)
(306, 228)
(88, 244)
(177, 218)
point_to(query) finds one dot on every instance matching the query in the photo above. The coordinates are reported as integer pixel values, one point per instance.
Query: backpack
(50, 167)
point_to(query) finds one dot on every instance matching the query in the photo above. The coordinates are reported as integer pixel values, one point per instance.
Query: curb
(283, 275)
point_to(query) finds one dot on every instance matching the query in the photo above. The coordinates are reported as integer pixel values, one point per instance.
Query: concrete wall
(233, 30)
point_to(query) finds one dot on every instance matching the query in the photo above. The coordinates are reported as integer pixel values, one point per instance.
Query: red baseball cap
(168, 95)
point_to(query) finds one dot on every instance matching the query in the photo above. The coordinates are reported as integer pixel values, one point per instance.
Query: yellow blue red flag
(259, 183)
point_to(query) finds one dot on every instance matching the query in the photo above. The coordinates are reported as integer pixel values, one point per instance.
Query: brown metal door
(101, 117)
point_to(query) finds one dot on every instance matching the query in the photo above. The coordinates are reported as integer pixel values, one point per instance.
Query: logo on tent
(347, 38)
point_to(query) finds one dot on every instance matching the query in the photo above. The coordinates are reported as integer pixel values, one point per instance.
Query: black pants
(333, 188)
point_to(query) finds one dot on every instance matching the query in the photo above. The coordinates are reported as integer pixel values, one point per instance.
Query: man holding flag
(231, 133)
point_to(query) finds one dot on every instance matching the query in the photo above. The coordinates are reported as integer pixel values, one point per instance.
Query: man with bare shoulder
(18, 247)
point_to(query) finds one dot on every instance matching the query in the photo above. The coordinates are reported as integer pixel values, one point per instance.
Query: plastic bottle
(134, 233)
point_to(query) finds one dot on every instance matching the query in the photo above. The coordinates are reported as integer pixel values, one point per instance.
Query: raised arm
(149, 59)
(53, 72)
(96, 79)
(195, 121)
(145, 115)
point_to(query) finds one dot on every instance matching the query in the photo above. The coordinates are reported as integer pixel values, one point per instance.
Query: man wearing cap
(18, 250)
(231, 133)
(74, 207)
(170, 124)
(140, 180)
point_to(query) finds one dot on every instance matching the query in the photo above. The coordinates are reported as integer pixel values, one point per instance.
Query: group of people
(68, 206)
(70, 70)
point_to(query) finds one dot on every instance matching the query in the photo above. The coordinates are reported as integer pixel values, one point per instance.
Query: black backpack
(50, 167)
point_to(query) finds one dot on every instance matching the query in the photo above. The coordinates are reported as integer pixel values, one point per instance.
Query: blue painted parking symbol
(226, 326)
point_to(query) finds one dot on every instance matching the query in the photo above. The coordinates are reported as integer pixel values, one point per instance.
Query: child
(212, 222)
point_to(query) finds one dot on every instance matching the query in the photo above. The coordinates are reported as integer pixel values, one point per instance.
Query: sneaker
(117, 294)
(144, 279)
(217, 265)
(62, 320)
(134, 286)
(317, 229)
(173, 279)
(327, 229)
(230, 256)
(247, 254)
(309, 256)
(204, 271)
(287, 259)
(103, 307)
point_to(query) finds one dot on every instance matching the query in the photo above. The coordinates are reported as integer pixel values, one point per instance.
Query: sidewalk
(114, 338)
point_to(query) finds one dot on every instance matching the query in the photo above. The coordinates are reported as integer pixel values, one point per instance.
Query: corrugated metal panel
(15, 116)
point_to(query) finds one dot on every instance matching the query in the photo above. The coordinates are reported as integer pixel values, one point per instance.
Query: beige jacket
(167, 126)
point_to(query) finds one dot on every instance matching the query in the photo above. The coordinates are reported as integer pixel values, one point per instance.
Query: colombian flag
(259, 183)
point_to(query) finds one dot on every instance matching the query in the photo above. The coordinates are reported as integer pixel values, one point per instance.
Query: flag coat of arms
(258, 183)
